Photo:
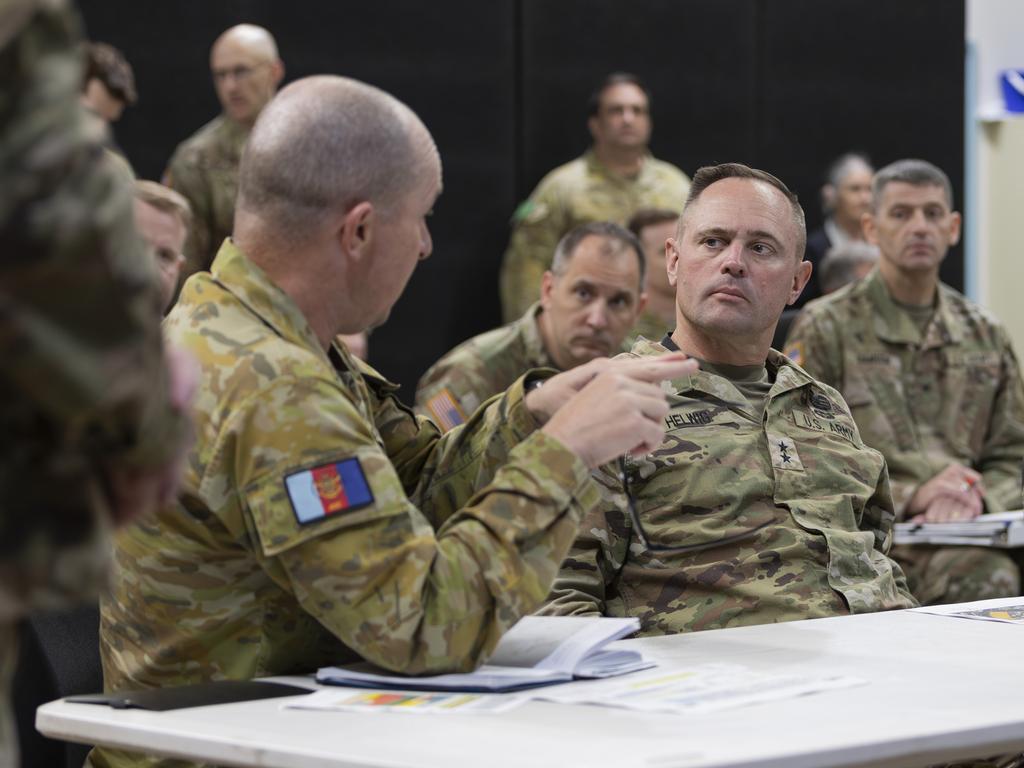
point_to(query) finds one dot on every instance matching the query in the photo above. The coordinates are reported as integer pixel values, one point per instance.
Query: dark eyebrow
(716, 232)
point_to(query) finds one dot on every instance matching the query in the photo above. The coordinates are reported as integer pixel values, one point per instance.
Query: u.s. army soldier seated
(589, 300)
(763, 477)
(931, 379)
(320, 520)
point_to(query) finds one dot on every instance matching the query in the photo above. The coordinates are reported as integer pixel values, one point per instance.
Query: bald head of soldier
(246, 71)
(335, 185)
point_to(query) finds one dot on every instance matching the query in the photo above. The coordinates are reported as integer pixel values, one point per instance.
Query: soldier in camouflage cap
(204, 168)
(589, 300)
(931, 380)
(609, 182)
(653, 227)
(762, 504)
(320, 520)
(91, 421)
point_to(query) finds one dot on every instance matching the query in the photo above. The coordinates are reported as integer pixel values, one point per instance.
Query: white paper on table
(703, 688)
(1006, 610)
(406, 702)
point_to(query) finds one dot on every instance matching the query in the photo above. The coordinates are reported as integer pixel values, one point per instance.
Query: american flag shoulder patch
(445, 410)
(327, 489)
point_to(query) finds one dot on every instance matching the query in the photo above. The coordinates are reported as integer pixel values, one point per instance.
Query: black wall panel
(781, 84)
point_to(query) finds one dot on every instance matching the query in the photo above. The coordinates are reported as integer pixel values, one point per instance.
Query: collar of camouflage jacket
(894, 325)
(595, 168)
(235, 273)
(784, 374)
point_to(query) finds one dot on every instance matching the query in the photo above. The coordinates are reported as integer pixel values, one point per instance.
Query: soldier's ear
(954, 228)
(800, 278)
(867, 225)
(671, 260)
(358, 231)
(547, 287)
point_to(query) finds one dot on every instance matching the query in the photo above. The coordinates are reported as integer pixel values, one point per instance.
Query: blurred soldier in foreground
(91, 422)
(931, 380)
(162, 217)
(246, 72)
(321, 521)
(762, 504)
(589, 300)
(653, 227)
(614, 178)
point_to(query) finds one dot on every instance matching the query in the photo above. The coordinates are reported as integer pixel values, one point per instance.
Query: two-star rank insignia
(784, 454)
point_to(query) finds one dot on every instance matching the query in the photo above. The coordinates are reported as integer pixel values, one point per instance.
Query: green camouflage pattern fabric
(951, 394)
(651, 327)
(480, 368)
(576, 193)
(204, 168)
(83, 385)
(463, 536)
(720, 471)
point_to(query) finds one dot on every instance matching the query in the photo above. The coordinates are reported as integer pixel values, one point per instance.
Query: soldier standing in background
(92, 423)
(246, 72)
(321, 521)
(614, 178)
(931, 380)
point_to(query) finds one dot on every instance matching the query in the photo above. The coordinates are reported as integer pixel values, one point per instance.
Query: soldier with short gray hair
(931, 379)
(320, 521)
(762, 504)
(246, 71)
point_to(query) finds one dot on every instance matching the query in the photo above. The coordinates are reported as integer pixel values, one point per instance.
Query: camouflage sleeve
(596, 556)
(184, 175)
(395, 589)
(537, 226)
(79, 310)
(814, 343)
(1002, 455)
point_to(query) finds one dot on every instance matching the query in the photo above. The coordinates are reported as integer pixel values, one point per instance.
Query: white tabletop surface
(939, 689)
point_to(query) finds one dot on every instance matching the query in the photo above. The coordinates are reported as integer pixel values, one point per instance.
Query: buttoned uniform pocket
(970, 386)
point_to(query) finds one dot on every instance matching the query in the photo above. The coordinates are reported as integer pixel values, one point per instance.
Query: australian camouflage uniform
(321, 521)
(577, 193)
(801, 470)
(951, 393)
(480, 368)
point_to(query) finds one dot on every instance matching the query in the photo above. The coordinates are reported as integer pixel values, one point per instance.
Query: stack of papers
(538, 650)
(1004, 529)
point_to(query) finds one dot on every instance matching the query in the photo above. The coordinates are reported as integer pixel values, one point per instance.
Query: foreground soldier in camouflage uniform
(931, 380)
(589, 300)
(613, 179)
(751, 441)
(87, 423)
(321, 521)
(204, 168)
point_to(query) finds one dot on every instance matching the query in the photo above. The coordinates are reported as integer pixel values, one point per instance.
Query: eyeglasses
(241, 72)
(641, 534)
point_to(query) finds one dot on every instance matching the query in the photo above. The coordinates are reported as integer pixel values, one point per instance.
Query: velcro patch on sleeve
(445, 410)
(328, 489)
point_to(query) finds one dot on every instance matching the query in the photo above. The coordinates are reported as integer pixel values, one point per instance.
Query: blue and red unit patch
(328, 489)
